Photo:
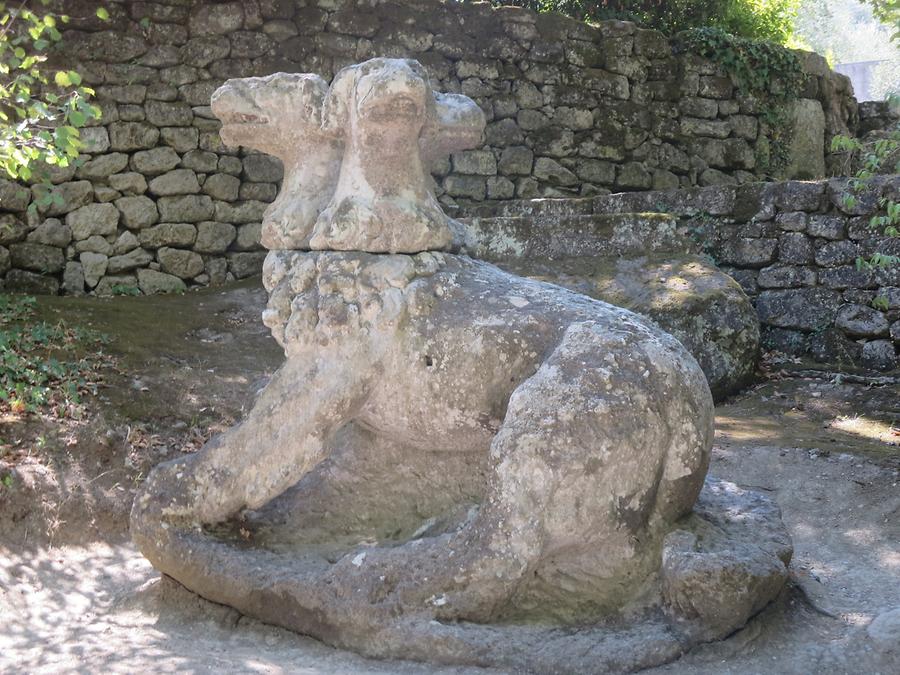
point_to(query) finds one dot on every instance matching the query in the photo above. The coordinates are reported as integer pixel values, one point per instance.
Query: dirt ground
(75, 596)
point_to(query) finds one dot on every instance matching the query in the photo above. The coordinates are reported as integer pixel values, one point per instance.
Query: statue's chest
(319, 299)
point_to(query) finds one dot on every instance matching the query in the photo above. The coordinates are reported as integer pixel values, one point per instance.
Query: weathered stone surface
(217, 19)
(222, 186)
(102, 166)
(66, 197)
(52, 232)
(180, 263)
(861, 321)
(73, 279)
(155, 161)
(803, 309)
(37, 257)
(5, 263)
(23, 281)
(243, 265)
(750, 252)
(129, 261)
(240, 212)
(168, 234)
(262, 168)
(12, 229)
(213, 237)
(117, 284)
(102, 219)
(185, 208)
(125, 242)
(180, 139)
(137, 212)
(152, 282)
(880, 355)
(93, 267)
(129, 136)
(129, 183)
(807, 147)
(13, 197)
(795, 247)
(94, 244)
(175, 182)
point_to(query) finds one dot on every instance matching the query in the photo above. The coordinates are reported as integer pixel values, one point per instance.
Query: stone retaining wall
(793, 247)
(160, 204)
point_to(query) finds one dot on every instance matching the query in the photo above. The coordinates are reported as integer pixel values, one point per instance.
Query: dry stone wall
(160, 204)
(793, 246)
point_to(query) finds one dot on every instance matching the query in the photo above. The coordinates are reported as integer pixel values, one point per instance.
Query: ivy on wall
(769, 74)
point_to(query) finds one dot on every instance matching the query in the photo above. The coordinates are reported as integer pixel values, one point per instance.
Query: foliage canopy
(40, 115)
(762, 19)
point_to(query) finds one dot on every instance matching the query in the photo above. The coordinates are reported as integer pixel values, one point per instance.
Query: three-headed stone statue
(453, 464)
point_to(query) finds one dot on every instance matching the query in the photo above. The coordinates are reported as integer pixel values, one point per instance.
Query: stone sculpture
(455, 464)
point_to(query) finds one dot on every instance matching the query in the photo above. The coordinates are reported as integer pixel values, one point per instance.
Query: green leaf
(62, 79)
(102, 14)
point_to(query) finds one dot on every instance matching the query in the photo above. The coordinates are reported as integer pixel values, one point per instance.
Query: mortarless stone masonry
(572, 110)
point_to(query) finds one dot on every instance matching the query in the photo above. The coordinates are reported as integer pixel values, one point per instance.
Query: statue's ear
(336, 109)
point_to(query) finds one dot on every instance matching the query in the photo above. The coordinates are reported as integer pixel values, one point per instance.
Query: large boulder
(638, 261)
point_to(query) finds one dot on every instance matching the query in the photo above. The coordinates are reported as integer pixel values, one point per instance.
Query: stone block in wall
(239, 212)
(259, 168)
(895, 331)
(516, 161)
(744, 126)
(243, 265)
(865, 202)
(107, 45)
(133, 94)
(155, 161)
(115, 284)
(12, 229)
(200, 52)
(131, 113)
(160, 91)
(213, 237)
(879, 355)
(508, 132)
(73, 279)
(248, 237)
(125, 242)
(749, 251)
(710, 177)
(216, 19)
(168, 234)
(280, 30)
(66, 196)
(261, 192)
(606, 83)
(180, 139)
(549, 170)
(130, 136)
(553, 142)
(837, 253)
(795, 247)
(861, 321)
(13, 197)
(175, 182)
(475, 162)
(697, 126)
(129, 183)
(792, 221)
(786, 276)
(5, 263)
(94, 140)
(230, 165)
(202, 161)
(499, 187)
(137, 212)
(806, 309)
(94, 244)
(93, 267)
(52, 232)
(179, 262)
(102, 166)
(185, 208)
(33, 283)
(100, 219)
(104, 193)
(222, 186)
(634, 175)
(250, 44)
(806, 150)
(471, 187)
(164, 114)
(595, 171)
(796, 195)
(37, 257)
(827, 227)
(127, 262)
(714, 86)
(152, 282)
(699, 107)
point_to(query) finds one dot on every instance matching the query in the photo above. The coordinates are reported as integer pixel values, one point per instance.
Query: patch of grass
(45, 367)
